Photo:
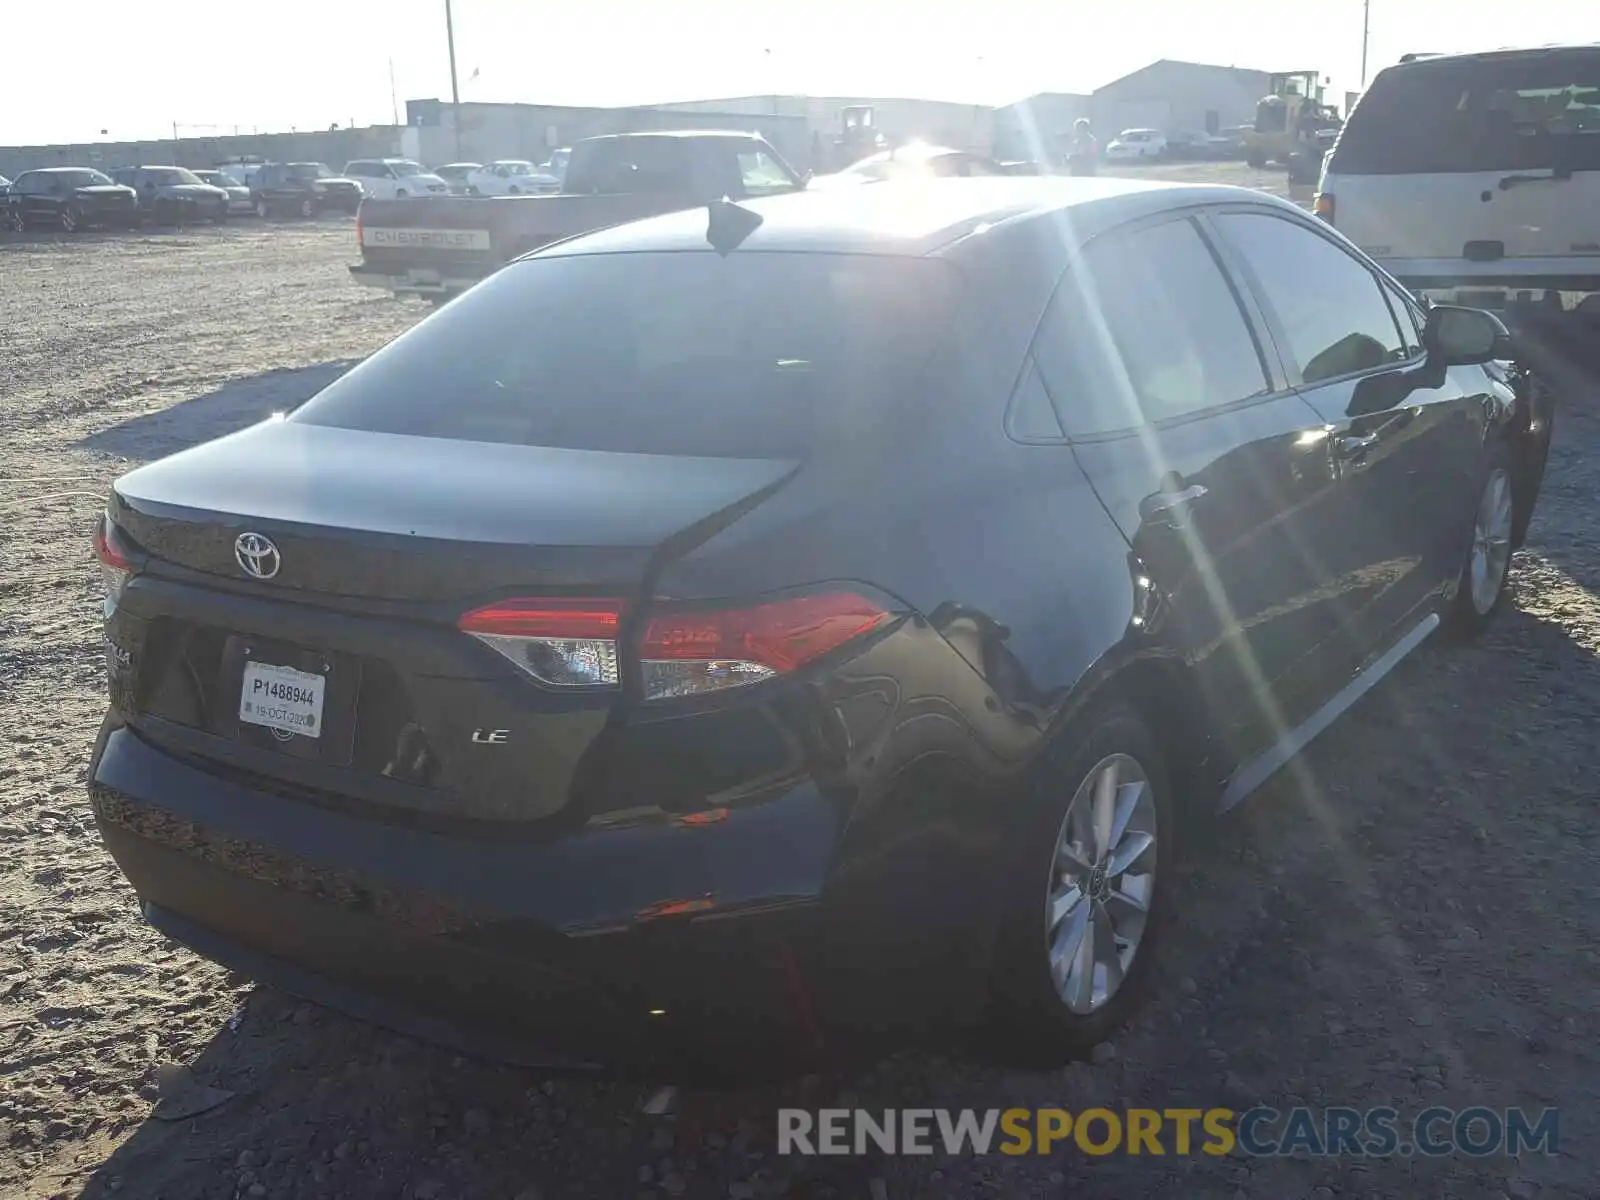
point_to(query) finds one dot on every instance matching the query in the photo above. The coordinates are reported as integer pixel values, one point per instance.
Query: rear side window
(688, 353)
(1333, 313)
(1145, 328)
(1535, 112)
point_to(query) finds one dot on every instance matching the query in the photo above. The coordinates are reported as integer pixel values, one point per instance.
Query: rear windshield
(1524, 113)
(753, 355)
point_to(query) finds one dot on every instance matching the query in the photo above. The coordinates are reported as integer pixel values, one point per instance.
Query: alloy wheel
(1491, 542)
(308, 207)
(1102, 883)
(261, 209)
(69, 219)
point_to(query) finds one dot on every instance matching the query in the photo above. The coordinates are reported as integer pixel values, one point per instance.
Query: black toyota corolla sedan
(795, 621)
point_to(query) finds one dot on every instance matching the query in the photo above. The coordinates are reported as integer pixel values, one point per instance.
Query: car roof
(917, 218)
(1467, 56)
(58, 170)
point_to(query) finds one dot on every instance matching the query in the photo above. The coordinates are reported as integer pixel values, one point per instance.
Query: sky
(101, 70)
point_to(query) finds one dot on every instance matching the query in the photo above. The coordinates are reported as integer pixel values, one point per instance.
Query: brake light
(562, 642)
(116, 568)
(359, 241)
(687, 653)
(1322, 206)
(573, 643)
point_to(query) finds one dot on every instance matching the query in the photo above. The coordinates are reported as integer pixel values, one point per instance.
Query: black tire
(400, 194)
(1479, 597)
(1031, 1025)
(14, 221)
(1253, 159)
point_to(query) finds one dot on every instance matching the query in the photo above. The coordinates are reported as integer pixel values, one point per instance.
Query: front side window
(1333, 314)
(1145, 328)
(753, 355)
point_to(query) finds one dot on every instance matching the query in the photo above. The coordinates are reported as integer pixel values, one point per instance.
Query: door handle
(1159, 505)
(1353, 446)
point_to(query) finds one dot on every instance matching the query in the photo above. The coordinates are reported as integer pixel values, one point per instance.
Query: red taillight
(116, 568)
(574, 642)
(562, 642)
(689, 652)
(104, 549)
(1323, 206)
(573, 619)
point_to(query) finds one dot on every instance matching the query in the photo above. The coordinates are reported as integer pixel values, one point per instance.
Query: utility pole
(394, 97)
(455, 90)
(1366, 24)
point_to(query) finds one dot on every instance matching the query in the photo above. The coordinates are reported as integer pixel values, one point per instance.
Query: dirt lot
(1411, 918)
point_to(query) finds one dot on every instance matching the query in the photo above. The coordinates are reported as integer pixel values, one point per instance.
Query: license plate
(423, 276)
(282, 699)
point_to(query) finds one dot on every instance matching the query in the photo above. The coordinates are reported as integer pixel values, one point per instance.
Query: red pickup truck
(438, 246)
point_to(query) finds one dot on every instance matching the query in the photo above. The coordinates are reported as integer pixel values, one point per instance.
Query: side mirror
(1456, 336)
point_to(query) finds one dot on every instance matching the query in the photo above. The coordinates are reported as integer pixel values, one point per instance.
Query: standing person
(1083, 155)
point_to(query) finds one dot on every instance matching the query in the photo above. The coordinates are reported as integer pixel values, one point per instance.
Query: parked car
(239, 201)
(340, 193)
(438, 246)
(69, 199)
(455, 176)
(394, 178)
(511, 177)
(1135, 144)
(783, 631)
(301, 189)
(240, 174)
(173, 195)
(276, 191)
(1476, 178)
(915, 160)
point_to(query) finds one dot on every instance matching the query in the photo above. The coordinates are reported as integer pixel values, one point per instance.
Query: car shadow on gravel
(235, 405)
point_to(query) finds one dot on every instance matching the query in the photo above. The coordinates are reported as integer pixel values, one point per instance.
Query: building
(1037, 129)
(943, 122)
(1178, 97)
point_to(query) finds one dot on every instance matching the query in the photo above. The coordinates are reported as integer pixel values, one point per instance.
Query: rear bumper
(646, 945)
(412, 283)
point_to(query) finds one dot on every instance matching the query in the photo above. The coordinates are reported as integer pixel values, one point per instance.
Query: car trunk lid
(351, 672)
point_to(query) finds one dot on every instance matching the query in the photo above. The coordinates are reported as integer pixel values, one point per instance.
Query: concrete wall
(1039, 127)
(334, 148)
(532, 131)
(1178, 97)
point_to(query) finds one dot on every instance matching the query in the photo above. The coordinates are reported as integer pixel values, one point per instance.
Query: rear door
(1487, 165)
(1407, 456)
(1213, 468)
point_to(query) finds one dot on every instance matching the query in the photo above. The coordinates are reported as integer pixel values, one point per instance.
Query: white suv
(394, 178)
(1476, 178)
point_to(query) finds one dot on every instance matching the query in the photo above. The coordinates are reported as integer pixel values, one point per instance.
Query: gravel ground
(1409, 918)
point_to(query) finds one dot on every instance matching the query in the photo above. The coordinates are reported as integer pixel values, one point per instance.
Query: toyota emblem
(256, 555)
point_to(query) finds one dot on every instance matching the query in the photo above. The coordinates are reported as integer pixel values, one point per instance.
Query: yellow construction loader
(1293, 119)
